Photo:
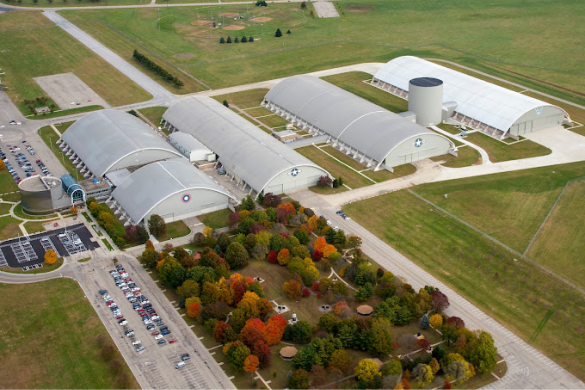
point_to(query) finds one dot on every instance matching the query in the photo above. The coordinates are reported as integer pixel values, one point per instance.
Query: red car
(141, 310)
(155, 333)
(172, 341)
(120, 316)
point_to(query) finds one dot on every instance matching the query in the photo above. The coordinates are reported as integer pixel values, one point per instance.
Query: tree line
(156, 68)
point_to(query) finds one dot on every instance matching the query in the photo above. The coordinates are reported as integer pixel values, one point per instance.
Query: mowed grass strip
(50, 138)
(154, 114)
(508, 206)
(354, 82)
(383, 174)
(215, 219)
(245, 99)
(515, 293)
(175, 229)
(351, 178)
(9, 227)
(499, 151)
(559, 245)
(49, 338)
(7, 183)
(66, 3)
(42, 49)
(466, 156)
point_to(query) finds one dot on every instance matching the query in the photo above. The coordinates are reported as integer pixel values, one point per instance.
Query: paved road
(158, 92)
(527, 368)
(485, 158)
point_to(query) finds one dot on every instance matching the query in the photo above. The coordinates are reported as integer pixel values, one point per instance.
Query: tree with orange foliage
(193, 306)
(290, 209)
(73, 210)
(2, 165)
(249, 304)
(219, 330)
(50, 257)
(319, 244)
(342, 310)
(250, 336)
(274, 329)
(328, 250)
(312, 223)
(251, 364)
(254, 323)
(292, 289)
(283, 256)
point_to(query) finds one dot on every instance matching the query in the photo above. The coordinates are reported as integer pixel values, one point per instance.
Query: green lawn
(9, 228)
(5, 208)
(175, 230)
(379, 31)
(245, 99)
(216, 219)
(351, 178)
(383, 174)
(34, 227)
(19, 212)
(45, 268)
(499, 151)
(515, 293)
(53, 313)
(560, 245)
(71, 3)
(107, 244)
(7, 183)
(34, 47)
(71, 111)
(50, 138)
(353, 82)
(154, 114)
(118, 226)
(466, 156)
(508, 206)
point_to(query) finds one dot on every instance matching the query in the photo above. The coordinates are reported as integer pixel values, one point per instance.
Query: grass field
(559, 246)
(216, 219)
(33, 47)
(44, 269)
(379, 31)
(508, 206)
(19, 212)
(53, 313)
(50, 138)
(5, 208)
(499, 151)
(71, 111)
(154, 114)
(72, 3)
(516, 293)
(9, 227)
(353, 82)
(466, 156)
(7, 183)
(34, 227)
(245, 99)
(175, 230)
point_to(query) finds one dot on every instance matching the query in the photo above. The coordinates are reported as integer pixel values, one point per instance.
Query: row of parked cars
(13, 173)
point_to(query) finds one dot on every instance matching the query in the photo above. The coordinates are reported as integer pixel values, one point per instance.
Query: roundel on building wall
(186, 198)
(295, 172)
(418, 142)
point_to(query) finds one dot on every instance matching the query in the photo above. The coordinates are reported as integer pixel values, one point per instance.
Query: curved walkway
(485, 158)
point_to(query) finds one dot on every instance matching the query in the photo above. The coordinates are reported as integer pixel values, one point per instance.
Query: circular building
(288, 353)
(40, 195)
(365, 310)
(425, 99)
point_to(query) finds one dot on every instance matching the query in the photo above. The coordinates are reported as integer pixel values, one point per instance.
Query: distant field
(71, 3)
(560, 244)
(508, 206)
(515, 293)
(496, 36)
(33, 47)
(498, 151)
(49, 339)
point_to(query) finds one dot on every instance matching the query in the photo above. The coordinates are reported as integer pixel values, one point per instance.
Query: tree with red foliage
(251, 364)
(320, 243)
(272, 257)
(447, 385)
(315, 286)
(405, 384)
(317, 255)
(239, 291)
(256, 228)
(233, 220)
(250, 336)
(219, 330)
(254, 323)
(456, 322)
(292, 289)
(306, 292)
(424, 344)
(439, 301)
(283, 256)
(283, 235)
(281, 215)
(342, 310)
(274, 329)
(263, 352)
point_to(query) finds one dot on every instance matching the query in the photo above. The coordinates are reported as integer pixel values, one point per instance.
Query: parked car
(171, 341)
(135, 342)
(161, 342)
(158, 337)
(185, 356)
(141, 348)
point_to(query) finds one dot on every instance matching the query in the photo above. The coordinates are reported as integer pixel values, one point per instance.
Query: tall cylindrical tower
(425, 99)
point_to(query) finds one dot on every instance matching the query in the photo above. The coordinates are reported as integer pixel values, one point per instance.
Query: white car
(135, 342)
(130, 334)
(147, 322)
(155, 318)
(124, 275)
(158, 337)
(124, 323)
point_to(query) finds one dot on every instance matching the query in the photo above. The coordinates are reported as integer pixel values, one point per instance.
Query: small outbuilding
(190, 147)
(365, 310)
(288, 353)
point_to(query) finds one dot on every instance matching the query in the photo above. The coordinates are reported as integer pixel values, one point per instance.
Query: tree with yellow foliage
(50, 257)
(436, 321)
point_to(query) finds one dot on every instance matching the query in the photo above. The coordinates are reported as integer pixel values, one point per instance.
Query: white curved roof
(488, 103)
(150, 185)
(244, 149)
(103, 138)
(369, 128)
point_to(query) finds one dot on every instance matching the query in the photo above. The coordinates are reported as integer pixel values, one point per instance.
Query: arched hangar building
(370, 134)
(107, 140)
(173, 189)
(470, 101)
(257, 161)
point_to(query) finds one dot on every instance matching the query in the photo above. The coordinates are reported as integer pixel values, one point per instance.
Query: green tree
(236, 40)
(482, 353)
(222, 40)
(248, 203)
(149, 258)
(340, 361)
(251, 39)
(172, 272)
(236, 256)
(224, 241)
(157, 225)
(244, 39)
(229, 40)
(424, 322)
(278, 33)
(189, 288)
(299, 380)
(237, 354)
(422, 375)
(302, 332)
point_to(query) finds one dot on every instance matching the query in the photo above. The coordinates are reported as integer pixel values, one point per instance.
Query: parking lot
(29, 252)
(155, 364)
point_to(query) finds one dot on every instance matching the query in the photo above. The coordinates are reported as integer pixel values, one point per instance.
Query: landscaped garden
(284, 292)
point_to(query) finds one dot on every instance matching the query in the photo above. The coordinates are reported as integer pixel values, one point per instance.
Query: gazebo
(365, 310)
(287, 353)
